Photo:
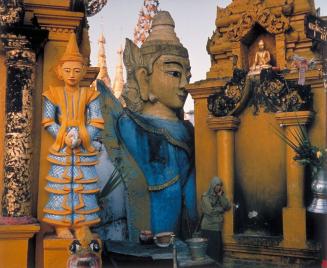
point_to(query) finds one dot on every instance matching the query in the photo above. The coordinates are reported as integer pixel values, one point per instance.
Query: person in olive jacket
(214, 204)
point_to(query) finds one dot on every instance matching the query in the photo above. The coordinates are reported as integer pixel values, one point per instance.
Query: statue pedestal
(55, 251)
(14, 244)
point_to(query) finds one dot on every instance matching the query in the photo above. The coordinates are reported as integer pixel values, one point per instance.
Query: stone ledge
(14, 244)
(223, 123)
(18, 231)
(295, 118)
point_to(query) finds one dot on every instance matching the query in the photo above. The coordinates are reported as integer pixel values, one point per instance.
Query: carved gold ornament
(274, 24)
(10, 13)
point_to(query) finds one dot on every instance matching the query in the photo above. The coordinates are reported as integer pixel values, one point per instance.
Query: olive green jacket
(213, 208)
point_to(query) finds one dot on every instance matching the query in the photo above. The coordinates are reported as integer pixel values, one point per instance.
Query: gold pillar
(225, 128)
(205, 149)
(294, 234)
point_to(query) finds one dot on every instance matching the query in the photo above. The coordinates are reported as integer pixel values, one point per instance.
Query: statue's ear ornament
(132, 56)
(153, 98)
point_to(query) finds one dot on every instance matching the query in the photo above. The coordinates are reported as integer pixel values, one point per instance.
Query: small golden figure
(261, 60)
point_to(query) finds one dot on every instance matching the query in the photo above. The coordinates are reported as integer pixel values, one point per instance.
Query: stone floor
(252, 264)
(119, 263)
(124, 254)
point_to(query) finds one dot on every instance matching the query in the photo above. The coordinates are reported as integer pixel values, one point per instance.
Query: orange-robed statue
(72, 116)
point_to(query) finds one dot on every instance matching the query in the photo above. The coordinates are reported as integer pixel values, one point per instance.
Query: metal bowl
(163, 240)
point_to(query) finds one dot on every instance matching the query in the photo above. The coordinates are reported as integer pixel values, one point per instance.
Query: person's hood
(214, 182)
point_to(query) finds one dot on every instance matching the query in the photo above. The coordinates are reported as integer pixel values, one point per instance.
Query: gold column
(225, 128)
(205, 149)
(204, 155)
(294, 234)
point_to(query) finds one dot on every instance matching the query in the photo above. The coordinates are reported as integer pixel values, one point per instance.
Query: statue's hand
(68, 139)
(72, 140)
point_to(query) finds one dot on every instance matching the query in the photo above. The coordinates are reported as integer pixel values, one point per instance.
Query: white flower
(252, 214)
(319, 154)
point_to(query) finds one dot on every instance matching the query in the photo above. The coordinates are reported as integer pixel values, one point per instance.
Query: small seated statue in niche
(72, 116)
(214, 204)
(261, 60)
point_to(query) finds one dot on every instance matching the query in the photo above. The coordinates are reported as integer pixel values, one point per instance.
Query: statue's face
(168, 80)
(261, 45)
(72, 72)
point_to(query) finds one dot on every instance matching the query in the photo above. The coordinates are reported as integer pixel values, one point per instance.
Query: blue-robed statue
(148, 142)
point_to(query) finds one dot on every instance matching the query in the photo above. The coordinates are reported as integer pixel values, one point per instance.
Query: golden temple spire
(102, 62)
(119, 77)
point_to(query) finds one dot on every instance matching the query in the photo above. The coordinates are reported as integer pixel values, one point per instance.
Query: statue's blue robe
(163, 149)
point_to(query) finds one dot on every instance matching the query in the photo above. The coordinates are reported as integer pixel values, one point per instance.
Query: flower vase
(319, 190)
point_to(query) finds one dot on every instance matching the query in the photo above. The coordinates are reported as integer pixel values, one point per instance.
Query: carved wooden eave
(234, 26)
(272, 23)
(269, 93)
(10, 15)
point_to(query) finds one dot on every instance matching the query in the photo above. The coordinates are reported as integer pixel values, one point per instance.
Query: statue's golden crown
(72, 51)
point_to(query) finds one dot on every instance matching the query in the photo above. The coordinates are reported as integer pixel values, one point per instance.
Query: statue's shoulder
(53, 93)
(91, 93)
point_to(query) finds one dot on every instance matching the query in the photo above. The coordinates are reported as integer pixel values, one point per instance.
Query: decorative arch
(274, 24)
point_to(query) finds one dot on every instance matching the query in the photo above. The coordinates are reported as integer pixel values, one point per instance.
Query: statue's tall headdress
(72, 51)
(161, 41)
(71, 54)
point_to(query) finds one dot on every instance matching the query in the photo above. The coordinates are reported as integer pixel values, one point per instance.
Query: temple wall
(260, 183)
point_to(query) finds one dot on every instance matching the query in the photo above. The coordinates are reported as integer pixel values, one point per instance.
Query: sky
(194, 20)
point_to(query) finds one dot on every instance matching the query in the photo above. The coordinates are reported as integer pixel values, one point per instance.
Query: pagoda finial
(102, 62)
(119, 77)
(148, 11)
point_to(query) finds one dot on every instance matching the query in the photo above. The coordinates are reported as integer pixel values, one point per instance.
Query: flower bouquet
(314, 157)
(306, 153)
